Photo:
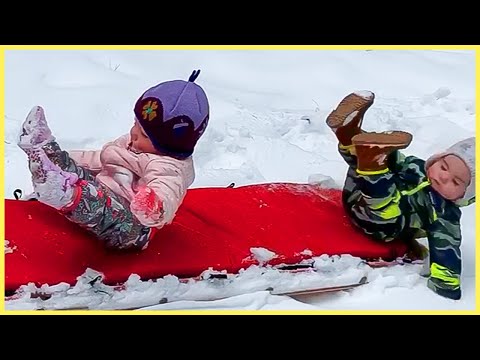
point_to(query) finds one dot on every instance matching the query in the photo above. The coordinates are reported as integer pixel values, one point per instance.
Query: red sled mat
(214, 228)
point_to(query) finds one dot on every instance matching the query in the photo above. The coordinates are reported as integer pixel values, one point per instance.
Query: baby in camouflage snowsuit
(391, 196)
(133, 185)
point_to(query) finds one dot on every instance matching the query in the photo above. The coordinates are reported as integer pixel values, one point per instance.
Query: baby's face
(139, 141)
(449, 176)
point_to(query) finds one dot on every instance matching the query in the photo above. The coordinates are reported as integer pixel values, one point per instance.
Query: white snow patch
(366, 94)
(306, 252)
(323, 181)
(8, 249)
(262, 255)
(442, 92)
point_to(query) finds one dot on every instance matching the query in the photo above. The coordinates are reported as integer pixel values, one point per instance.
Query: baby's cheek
(439, 189)
(461, 190)
(450, 192)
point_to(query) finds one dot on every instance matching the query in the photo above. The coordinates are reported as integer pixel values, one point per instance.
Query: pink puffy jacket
(124, 171)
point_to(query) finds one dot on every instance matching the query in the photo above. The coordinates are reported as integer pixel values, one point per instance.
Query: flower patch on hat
(149, 109)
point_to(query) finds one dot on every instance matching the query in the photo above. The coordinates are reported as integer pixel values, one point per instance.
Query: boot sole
(347, 106)
(397, 139)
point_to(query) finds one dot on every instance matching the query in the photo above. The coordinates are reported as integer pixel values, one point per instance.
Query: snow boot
(372, 149)
(52, 186)
(35, 130)
(346, 120)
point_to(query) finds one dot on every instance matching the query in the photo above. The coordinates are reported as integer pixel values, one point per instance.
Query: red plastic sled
(214, 228)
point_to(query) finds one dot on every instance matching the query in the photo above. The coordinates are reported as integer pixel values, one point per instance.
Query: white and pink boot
(35, 130)
(52, 185)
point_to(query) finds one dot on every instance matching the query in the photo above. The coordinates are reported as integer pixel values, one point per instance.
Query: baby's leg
(37, 135)
(108, 216)
(87, 203)
(353, 180)
(65, 162)
(52, 186)
(371, 196)
(373, 203)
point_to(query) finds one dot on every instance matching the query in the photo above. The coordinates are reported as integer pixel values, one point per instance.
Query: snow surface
(267, 124)
(8, 249)
(364, 93)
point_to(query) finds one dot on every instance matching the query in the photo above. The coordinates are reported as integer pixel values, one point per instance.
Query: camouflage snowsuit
(98, 209)
(400, 203)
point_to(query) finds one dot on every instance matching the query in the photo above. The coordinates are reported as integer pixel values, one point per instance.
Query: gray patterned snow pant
(98, 209)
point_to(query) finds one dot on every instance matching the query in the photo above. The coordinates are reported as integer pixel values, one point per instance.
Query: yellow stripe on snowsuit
(466, 202)
(416, 189)
(373, 172)
(393, 198)
(393, 210)
(445, 275)
(390, 212)
(346, 147)
(349, 149)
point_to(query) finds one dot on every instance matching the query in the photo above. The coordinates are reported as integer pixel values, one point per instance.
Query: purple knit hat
(174, 115)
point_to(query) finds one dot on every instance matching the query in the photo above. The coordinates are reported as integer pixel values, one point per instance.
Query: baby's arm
(90, 159)
(168, 183)
(444, 239)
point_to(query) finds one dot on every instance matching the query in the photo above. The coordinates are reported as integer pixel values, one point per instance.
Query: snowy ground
(267, 124)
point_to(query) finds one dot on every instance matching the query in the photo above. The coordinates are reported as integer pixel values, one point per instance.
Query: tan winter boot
(346, 120)
(372, 149)
(416, 251)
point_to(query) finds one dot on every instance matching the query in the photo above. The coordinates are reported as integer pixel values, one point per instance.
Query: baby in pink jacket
(133, 185)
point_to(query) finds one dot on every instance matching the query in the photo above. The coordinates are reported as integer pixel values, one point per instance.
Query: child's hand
(146, 206)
